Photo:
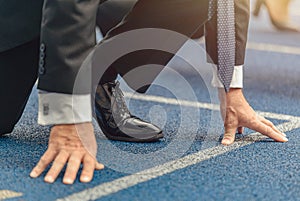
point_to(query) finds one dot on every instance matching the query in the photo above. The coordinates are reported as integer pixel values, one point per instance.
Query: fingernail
(225, 142)
(100, 166)
(284, 134)
(49, 179)
(85, 179)
(68, 181)
(285, 139)
(33, 174)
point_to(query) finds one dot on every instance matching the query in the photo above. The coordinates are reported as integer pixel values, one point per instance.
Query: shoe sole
(126, 139)
(155, 138)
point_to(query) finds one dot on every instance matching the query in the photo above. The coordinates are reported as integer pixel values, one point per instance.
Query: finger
(229, 135)
(270, 124)
(267, 130)
(240, 130)
(89, 165)
(231, 125)
(57, 166)
(99, 166)
(45, 160)
(72, 168)
(228, 138)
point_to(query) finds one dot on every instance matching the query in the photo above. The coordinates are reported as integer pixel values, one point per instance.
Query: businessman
(185, 17)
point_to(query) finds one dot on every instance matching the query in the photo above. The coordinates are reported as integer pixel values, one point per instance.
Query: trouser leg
(184, 17)
(110, 14)
(18, 73)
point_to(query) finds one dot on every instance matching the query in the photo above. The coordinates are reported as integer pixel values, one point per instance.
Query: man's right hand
(66, 147)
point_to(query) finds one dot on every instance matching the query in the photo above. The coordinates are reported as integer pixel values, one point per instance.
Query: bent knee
(7, 128)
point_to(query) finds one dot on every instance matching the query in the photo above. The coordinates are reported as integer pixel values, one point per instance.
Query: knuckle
(230, 122)
(70, 173)
(89, 160)
(43, 161)
(229, 135)
(59, 163)
(74, 160)
(63, 151)
(88, 172)
(230, 110)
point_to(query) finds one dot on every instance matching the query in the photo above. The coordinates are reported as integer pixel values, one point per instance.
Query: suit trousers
(19, 67)
(187, 17)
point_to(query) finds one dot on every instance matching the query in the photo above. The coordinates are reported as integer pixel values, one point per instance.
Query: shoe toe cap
(137, 128)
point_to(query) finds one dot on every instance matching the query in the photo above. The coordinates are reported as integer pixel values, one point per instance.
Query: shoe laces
(119, 102)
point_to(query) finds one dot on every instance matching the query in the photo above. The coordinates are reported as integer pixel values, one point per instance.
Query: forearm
(67, 37)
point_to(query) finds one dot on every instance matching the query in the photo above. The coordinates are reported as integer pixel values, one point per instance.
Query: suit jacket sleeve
(67, 37)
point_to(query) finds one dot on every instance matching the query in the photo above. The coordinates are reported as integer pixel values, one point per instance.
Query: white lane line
(122, 183)
(209, 106)
(171, 101)
(274, 48)
(5, 194)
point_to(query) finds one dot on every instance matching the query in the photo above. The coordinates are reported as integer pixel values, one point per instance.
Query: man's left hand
(237, 113)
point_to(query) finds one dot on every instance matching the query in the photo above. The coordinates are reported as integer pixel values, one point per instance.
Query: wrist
(233, 94)
(73, 124)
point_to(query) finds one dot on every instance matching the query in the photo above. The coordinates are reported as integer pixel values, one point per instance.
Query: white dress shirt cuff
(58, 108)
(237, 78)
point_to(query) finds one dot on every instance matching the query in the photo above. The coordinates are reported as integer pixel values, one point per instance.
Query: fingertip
(68, 181)
(281, 139)
(33, 174)
(99, 166)
(85, 179)
(49, 179)
(226, 142)
(285, 139)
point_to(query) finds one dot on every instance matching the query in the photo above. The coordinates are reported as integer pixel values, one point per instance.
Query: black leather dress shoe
(115, 119)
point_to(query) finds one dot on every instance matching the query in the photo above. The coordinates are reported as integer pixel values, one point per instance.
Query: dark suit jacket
(19, 22)
(67, 33)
